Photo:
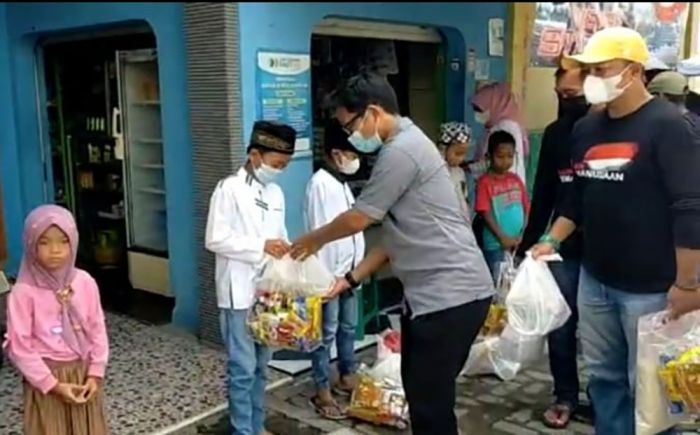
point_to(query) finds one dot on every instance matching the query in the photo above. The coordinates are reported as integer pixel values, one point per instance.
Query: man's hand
(276, 248)
(304, 247)
(339, 286)
(91, 386)
(542, 249)
(70, 393)
(681, 302)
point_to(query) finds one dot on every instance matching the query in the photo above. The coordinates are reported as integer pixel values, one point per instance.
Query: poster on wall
(564, 28)
(284, 92)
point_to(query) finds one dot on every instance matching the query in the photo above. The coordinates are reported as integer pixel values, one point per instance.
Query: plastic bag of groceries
(504, 355)
(535, 304)
(668, 371)
(505, 278)
(388, 363)
(379, 401)
(287, 310)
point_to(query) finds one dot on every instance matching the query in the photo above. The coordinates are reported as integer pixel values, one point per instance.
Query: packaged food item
(668, 372)
(495, 321)
(286, 321)
(379, 402)
(287, 309)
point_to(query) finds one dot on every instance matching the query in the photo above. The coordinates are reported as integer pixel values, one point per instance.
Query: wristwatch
(351, 280)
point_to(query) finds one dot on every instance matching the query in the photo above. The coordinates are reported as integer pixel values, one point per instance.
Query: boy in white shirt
(327, 196)
(246, 221)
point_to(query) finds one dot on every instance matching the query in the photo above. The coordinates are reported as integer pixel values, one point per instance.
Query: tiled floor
(156, 378)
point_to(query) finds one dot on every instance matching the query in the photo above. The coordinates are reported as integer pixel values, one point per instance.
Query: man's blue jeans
(246, 373)
(562, 342)
(339, 321)
(608, 320)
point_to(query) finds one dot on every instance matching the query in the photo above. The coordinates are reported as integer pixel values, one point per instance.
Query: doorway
(102, 109)
(412, 59)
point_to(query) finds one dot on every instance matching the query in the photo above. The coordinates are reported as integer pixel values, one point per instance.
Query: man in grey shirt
(426, 238)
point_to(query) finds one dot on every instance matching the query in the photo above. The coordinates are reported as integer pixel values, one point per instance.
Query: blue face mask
(266, 174)
(365, 145)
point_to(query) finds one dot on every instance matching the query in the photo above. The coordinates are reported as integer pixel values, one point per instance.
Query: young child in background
(453, 145)
(502, 201)
(56, 333)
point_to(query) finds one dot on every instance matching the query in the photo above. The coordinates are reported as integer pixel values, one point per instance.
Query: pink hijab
(499, 102)
(32, 273)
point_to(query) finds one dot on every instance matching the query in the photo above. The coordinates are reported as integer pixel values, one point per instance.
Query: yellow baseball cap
(609, 44)
(669, 83)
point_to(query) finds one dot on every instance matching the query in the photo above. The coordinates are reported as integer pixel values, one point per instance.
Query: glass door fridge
(139, 141)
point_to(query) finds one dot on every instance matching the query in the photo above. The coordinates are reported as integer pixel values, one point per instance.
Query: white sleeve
(283, 230)
(222, 238)
(316, 216)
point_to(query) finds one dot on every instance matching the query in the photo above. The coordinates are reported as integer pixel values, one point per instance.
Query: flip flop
(558, 416)
(329, 411)
(342, 391)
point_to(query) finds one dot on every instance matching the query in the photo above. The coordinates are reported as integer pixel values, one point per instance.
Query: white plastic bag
(387, 367)
(504, 355)
(302, 278)
(657, 341)
(535, 305)
(506, 275)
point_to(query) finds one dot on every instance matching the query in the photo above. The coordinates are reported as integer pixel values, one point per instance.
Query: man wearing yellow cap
(636, 196)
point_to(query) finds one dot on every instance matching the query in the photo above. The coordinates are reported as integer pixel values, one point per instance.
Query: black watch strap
(351, 280)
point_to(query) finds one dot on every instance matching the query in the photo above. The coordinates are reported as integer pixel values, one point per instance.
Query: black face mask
(573, 106)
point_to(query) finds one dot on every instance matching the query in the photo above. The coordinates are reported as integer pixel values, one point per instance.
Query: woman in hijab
(56, 334)
(495, 107)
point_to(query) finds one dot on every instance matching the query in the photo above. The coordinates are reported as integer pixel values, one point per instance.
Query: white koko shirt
(326, 198)
(243, 214)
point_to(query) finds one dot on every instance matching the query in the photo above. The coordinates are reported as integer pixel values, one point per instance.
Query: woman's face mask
(599, 90)
(482, 117)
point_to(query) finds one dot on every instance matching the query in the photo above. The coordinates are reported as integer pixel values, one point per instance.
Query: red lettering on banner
(551, 42)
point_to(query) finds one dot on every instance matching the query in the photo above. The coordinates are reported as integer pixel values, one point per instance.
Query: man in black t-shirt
(553, 179)
(636, 195)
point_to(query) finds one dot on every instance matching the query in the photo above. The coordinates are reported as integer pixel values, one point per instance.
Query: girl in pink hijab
(495, 107)
(56, 334)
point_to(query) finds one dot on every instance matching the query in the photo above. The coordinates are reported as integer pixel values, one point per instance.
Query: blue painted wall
(21, 25)
(288, 26)
(9, 176)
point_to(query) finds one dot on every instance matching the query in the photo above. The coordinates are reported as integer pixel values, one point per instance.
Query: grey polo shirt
(426, 234)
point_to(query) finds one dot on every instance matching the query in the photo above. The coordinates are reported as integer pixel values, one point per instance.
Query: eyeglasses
(347, 126)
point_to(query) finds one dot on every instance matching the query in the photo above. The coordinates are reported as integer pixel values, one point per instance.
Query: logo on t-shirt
(607, 161)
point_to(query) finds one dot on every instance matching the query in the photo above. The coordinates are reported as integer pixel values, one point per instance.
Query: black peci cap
(273, 136)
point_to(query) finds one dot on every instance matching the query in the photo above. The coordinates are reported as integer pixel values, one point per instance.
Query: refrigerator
(137, 131)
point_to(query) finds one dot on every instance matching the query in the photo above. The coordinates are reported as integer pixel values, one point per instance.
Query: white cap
(656, 63)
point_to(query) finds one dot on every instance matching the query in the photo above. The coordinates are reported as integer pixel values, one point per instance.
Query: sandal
(340, 391)
(558, 416)
(329, 411)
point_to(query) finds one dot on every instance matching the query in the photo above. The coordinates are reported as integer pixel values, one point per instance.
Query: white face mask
(482, 117)
(266, 174)
(600, 90)
(349, 167)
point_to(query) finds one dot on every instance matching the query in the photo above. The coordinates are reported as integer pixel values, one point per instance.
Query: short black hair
(359, 91)
(676, 99)
(335, 138)
(559, 73)
(497, 138)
